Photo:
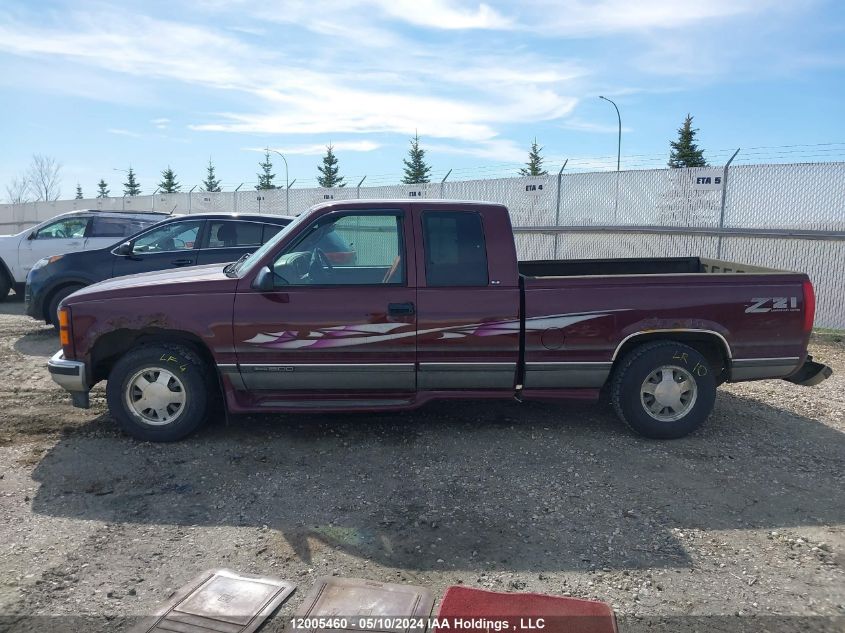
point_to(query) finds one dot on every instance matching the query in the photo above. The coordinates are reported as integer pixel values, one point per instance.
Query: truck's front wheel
(159, 393)
(664, 390)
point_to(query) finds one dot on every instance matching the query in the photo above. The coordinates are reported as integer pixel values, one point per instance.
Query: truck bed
(633, 266)
(580, 313)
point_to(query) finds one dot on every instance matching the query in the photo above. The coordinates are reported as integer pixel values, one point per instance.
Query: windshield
(268, 246)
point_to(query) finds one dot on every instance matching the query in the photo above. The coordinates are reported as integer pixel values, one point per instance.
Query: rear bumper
(70, 375)
(810, 373)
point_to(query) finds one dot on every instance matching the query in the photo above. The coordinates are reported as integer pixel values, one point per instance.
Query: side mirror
(31, 236)
(263, 280)
(124, 249)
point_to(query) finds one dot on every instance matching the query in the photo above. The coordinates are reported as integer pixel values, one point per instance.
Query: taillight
(809, 306)
(64, 330)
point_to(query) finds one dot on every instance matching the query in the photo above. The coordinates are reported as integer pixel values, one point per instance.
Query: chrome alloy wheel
(155, 395)
(668, 393)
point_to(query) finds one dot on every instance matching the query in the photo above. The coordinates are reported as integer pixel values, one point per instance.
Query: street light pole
(619, 142)
(618, 159)
(287, 186)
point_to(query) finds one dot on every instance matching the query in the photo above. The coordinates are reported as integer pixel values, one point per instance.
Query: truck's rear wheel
(663, 390)
(159, 393)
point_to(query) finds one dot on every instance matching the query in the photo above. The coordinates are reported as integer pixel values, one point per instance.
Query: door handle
(400, 309)
(182, 262)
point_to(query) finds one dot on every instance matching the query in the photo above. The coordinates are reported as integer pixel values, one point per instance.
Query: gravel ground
(745, 517)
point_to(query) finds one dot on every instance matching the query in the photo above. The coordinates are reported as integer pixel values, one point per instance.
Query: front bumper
(70, 376)
(810, 374)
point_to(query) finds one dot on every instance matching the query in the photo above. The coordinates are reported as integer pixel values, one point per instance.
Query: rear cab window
(455, 248)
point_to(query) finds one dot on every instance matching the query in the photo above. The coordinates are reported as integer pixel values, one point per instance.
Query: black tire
(5, 284)
(192, 379)
(53, 308)
(628, 389)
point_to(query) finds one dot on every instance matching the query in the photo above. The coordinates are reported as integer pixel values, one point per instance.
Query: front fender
(206, 316)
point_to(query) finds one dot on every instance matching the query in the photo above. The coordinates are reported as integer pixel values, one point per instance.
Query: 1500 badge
(773, 304)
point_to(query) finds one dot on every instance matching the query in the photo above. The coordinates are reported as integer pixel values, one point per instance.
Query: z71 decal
(773, 304)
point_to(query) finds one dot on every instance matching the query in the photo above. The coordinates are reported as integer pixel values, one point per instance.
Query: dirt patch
(744, 517)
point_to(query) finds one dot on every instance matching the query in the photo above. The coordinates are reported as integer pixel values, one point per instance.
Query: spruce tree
(534, 166)
(168, 183)
(416, 169)
(211, 183)
(78, 191)
(131, 186)
(265, 177)
(685, 152)
(328, 177)
(102, 189)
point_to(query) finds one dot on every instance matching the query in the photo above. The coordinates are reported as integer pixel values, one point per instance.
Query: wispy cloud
(579, 125)
(302, 99)
(317, 148)
(579, 19)
(120, 43)
(357, 111)
(161, 123)
(493, 149)
(442, 14)
(448, 15)
(122, 132)
(249, 30)
(561, 18)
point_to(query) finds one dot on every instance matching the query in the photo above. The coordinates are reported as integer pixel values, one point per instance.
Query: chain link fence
(783, 216)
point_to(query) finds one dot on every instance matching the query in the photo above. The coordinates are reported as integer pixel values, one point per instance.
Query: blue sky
(104, 85)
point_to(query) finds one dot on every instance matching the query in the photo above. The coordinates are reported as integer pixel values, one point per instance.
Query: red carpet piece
(478, 611)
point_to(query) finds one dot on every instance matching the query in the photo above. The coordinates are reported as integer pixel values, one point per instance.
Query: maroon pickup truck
(430, 303)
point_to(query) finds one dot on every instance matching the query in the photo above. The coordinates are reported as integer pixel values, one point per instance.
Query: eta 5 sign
(707, 180)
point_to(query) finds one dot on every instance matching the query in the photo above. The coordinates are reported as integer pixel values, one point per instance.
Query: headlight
(46, 260)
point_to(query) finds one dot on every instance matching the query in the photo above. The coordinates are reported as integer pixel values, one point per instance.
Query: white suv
(65, 233)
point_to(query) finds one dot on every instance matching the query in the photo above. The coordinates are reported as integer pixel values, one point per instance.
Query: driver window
(69, 228)
(178, 236)
(351, 249)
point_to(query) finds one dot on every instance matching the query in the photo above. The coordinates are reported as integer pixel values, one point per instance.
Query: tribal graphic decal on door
(366, 333)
